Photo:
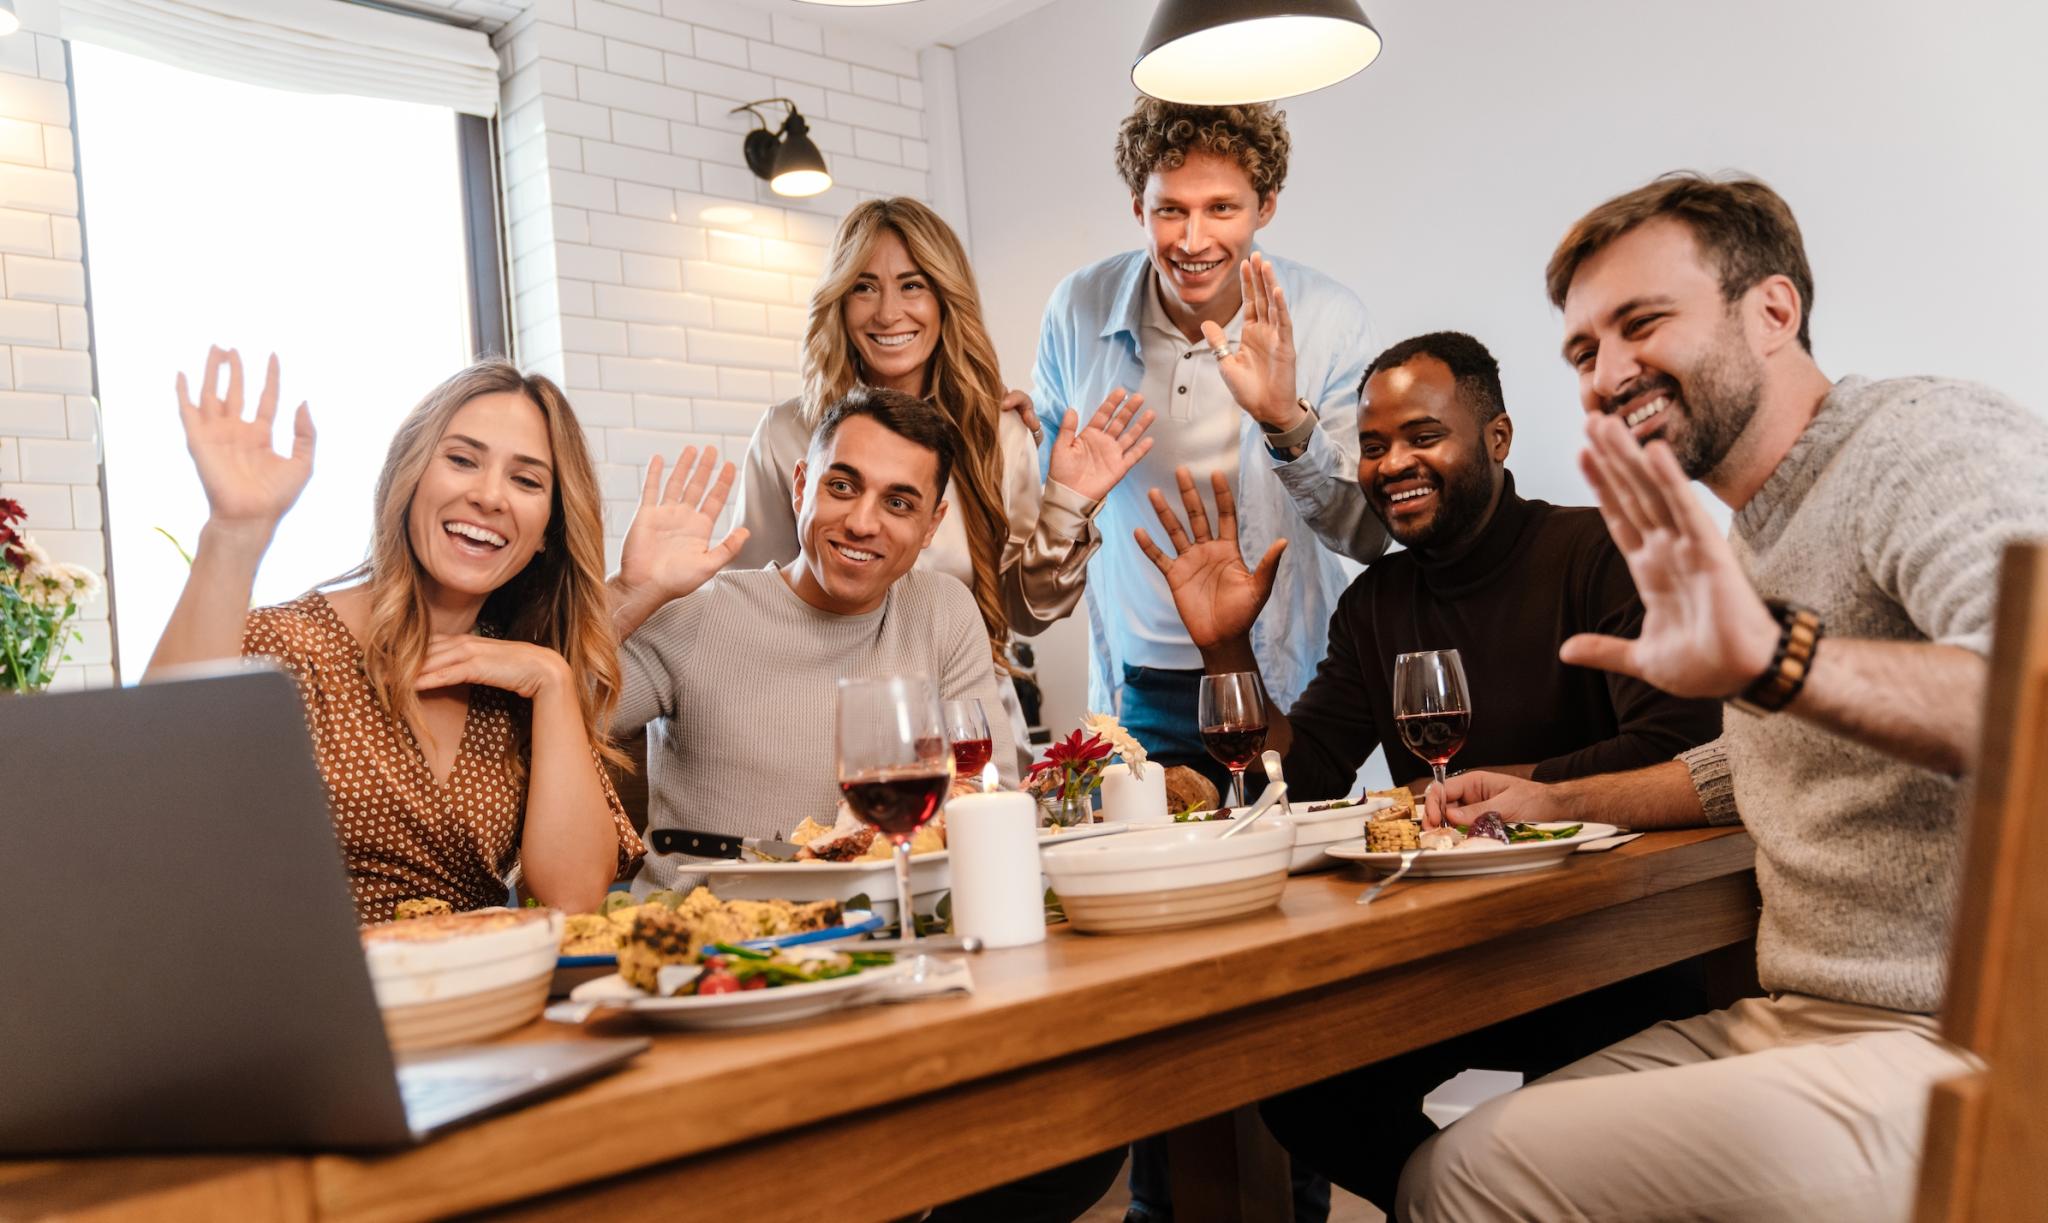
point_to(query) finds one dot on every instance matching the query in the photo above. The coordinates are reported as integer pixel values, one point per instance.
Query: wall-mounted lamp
(785, 157)
(9, 22)
(1221, 52)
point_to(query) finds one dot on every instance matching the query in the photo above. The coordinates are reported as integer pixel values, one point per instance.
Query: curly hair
(1159, 135)
(1476, 372)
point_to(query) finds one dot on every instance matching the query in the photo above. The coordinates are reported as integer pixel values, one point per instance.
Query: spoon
(1274, 794)
(1272, 762)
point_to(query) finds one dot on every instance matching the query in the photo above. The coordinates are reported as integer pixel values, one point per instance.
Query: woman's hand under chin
(515, 666)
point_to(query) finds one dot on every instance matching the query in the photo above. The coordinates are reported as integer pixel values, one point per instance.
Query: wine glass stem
(1439, 771)
(1237, 787)
(906, 916)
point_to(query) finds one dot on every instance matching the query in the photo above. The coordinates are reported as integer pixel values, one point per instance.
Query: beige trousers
(1790, 1108)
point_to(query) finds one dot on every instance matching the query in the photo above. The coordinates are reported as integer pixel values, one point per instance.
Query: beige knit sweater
(1889, 517)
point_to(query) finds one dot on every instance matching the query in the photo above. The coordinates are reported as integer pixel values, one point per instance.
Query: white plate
(744, 1009)
(931, 876)
(1450, 863)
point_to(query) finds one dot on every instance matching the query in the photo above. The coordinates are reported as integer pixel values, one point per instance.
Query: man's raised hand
(1216, 596)
(1705, 631)
(668, 548)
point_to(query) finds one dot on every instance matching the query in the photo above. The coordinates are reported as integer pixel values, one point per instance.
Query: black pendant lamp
(1220, 52)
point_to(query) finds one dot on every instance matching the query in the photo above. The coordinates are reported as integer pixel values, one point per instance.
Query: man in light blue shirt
(1253, 366)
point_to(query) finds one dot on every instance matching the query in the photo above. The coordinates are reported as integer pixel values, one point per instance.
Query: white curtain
(313, 46)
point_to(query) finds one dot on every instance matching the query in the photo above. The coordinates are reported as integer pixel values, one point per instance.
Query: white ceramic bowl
(467, 985)
(1317, 826)
(1161, 878)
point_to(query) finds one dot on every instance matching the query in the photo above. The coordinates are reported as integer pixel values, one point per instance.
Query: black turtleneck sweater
(1536, 574)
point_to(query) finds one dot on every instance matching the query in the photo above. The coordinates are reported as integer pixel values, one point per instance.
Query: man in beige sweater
(1846, 618)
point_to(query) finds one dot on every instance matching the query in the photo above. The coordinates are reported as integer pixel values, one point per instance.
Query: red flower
(11, 551)
(1073, 754)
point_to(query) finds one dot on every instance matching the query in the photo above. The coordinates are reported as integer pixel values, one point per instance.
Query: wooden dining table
(1062, 1050)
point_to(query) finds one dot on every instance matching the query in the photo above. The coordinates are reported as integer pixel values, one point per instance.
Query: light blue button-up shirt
(1090, 344)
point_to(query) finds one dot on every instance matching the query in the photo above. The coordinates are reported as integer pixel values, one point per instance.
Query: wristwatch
(1295, 450)
(1799, 633)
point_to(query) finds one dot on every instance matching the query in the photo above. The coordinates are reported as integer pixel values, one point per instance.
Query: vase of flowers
(1066, 779)
(39, 601)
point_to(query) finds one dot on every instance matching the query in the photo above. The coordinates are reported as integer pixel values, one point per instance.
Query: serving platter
(1459, 863)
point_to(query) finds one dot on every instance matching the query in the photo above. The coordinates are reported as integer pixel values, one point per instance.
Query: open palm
(1705, 632)
(1260, 374)
(1090, 461)
(668, 548)
(246, 481)
(1216, 596)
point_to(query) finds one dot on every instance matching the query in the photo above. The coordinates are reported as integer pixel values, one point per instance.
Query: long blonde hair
(557, 601)
(961, 377)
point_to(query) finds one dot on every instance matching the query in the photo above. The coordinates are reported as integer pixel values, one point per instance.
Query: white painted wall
(1907, 138)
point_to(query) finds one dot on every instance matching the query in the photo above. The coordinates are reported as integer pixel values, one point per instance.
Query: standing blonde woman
(897, 307)
(458, 683)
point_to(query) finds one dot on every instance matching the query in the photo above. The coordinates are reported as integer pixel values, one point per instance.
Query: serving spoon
(1275, 793)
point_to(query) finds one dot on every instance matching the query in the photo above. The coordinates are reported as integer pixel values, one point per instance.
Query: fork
(1372, 893)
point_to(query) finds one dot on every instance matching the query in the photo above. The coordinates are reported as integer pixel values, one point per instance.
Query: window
(327, 229)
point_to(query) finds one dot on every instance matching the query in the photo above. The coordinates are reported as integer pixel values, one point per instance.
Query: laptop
(179, 963)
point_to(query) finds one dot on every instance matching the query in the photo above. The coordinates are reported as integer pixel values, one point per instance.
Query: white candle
(1134, 800)
(992, 843)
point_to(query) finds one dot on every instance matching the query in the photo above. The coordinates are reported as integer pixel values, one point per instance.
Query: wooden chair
(1987, 1133)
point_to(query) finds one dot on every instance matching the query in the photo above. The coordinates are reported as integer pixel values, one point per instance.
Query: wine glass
(1431, 708)
(1233, 714)
(894, 769)
(967, 731)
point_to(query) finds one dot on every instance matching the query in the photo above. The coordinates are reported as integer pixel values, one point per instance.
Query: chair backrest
(1987, 1134)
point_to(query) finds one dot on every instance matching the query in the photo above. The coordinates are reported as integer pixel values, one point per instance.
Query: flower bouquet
(39, 599)
(1066, 780)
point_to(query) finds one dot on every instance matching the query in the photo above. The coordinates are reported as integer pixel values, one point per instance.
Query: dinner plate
(1453, 863)
(573, 970)
(743, 1009)
(931, 876)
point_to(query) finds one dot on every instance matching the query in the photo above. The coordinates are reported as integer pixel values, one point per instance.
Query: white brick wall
(49, 433)
(668, 330)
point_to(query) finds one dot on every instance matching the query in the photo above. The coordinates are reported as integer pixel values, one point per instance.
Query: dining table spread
(1064, 1048)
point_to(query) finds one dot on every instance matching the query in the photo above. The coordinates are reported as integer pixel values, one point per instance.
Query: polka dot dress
(403, 833)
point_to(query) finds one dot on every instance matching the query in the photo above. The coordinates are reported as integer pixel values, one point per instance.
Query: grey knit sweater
(743, 677)
(1889, 517)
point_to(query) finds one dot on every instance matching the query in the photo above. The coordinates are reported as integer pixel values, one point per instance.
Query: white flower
(81, 583)
(1132, 751)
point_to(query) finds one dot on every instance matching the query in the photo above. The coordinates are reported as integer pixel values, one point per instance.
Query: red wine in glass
(894, 766)
(1235, 744)
(1436, 737)
(1432, 706)
(896, 803)
(1232, 710)
(971, 756)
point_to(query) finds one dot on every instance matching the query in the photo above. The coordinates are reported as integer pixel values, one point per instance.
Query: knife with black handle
(691, 843)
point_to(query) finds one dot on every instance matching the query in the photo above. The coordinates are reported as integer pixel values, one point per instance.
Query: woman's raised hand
(248, 484)
(1090, 461)
(668, 548)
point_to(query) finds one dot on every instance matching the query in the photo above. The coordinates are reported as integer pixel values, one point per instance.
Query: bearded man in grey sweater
(1847, 618)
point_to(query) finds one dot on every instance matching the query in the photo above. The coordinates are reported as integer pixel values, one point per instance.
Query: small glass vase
(1064, 810)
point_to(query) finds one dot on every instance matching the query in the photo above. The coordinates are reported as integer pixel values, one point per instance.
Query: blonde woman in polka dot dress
(459, 682)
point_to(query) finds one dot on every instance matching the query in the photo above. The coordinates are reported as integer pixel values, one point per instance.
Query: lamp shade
(1220, 52)
(9, 22)
(799, 166)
